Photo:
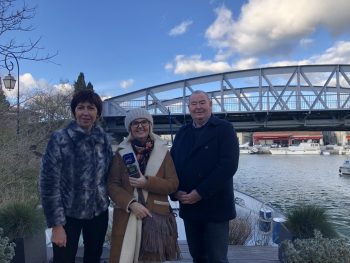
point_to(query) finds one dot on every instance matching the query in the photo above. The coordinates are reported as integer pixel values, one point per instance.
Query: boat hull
(302, 148)
(287, 151)
(343, 170)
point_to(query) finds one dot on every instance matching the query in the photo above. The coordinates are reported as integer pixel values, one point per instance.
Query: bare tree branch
(15, 18)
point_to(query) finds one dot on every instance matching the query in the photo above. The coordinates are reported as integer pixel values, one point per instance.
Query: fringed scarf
(142, 152)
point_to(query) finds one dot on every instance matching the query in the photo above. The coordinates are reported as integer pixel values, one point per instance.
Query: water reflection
(285, 181)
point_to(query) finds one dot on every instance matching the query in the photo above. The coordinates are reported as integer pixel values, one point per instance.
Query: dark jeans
(94, 231)
(207, 241)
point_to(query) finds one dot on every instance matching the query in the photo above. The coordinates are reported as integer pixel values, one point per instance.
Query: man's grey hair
(198, 92)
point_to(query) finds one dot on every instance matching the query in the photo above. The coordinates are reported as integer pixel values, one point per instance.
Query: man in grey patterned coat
(73, 182)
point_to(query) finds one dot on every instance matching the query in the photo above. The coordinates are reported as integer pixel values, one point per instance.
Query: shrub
(20, 219)
(7, 249)
(240, 231)
(315, 250)
(304, 219)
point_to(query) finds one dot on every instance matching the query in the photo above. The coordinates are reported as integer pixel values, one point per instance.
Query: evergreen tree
(81, 85)
(90, 86)
(4, 104)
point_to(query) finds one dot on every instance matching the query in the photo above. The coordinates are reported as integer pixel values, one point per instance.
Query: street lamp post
(10, 81)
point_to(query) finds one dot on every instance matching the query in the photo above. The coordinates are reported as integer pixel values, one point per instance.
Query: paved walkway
(236, 254)
(240, 254)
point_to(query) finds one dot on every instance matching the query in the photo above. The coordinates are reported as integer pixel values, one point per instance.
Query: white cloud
(275, 26)
(27, 81)
(105, 97)
(27, 85)
(64, 88)
(180, 29)
(339, 53)
(246, 63)
(195, 64)
(305, 42)
(126, 83)
(169, 66)
(30, 87)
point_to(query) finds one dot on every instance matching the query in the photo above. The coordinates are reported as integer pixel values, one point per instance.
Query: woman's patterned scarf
(142, 152)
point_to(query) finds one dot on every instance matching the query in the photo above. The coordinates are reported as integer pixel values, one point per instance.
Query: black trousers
(94, 231)
(207, 241)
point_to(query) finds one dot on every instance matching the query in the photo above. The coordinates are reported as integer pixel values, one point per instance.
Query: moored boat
(244, 148)
(344, 169)
(265, 221)
(253, 150)
(302, 148)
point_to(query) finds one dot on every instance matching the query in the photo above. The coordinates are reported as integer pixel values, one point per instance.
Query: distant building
(347, 139)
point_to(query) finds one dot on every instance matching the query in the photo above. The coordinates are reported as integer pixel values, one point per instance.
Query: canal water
(286, 180)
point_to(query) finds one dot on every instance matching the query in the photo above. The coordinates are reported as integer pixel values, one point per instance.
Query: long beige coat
(159, 186)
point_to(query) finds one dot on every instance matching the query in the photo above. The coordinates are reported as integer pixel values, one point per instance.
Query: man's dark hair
(86, 96)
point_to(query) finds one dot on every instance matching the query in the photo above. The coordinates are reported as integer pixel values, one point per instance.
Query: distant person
(206, 154)
(73, 182)
(141, 178)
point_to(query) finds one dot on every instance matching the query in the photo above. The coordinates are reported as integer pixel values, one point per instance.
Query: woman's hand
(139, 210)
(138, 182)
(59, 236)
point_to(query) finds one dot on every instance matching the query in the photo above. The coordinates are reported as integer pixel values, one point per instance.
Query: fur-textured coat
(74, 170)
(161, 184)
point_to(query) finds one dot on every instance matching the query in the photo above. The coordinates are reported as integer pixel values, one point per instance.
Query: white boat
(344, 169)
(244, 148)
(253, 150)
(266, 222)
(302, 148)
(345, 150)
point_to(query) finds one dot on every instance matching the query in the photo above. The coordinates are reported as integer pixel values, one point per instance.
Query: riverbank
(286, 180)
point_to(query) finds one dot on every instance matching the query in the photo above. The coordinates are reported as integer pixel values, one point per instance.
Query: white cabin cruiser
(302, 148)
(244, 148)
(344, 169)
(266, 221)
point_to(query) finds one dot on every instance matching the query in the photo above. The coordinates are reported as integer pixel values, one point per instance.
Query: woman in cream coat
(142, 167)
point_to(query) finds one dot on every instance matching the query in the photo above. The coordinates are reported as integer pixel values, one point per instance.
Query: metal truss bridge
(310, 97)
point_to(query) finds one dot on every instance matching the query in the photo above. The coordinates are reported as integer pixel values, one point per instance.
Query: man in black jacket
(206, 154)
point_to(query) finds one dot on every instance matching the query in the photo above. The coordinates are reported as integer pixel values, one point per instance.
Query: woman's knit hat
(138, 113)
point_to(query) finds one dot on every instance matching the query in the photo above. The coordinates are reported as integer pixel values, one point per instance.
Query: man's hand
(191, 198)
(59, 236)
(139, 210)
(179, 195)
(138, 182)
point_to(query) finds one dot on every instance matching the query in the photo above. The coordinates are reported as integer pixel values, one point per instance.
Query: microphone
(131, 166)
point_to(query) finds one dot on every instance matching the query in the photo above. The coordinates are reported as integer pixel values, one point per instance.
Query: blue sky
(122, 46)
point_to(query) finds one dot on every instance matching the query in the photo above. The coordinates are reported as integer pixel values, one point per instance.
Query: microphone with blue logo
(130, 163)
(133, 171)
